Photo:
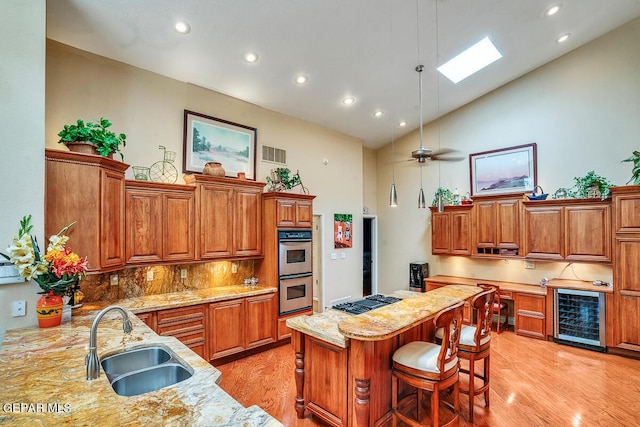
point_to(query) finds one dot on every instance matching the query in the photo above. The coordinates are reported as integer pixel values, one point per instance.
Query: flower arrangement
(54, 271)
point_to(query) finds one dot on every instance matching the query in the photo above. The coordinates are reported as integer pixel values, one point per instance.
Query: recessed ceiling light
(402, 123)
(250, 57)
(302, 79)
(182, 27)
(378, 113)
(348, 100)
(563, 38)
(470, 61)
(553, 10)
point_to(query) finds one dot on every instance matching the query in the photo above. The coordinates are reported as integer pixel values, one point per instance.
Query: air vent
(274, 155)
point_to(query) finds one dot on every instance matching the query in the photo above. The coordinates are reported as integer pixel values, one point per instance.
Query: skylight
(470, 61)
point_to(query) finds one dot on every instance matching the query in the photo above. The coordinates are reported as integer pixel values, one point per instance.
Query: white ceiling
(367, 49)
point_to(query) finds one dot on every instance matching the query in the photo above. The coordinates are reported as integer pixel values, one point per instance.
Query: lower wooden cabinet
(284, 331)
(241, 324)
(188, 324)
(530, 315)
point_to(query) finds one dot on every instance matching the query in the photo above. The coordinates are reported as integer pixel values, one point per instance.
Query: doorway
(369, 255)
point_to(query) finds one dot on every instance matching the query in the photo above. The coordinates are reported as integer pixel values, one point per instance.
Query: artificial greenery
(582, 185)
(447, 197)
(281, 179)
(105, 140)
(635, 173)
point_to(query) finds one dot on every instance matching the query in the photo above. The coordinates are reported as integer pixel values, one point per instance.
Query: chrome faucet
(91, 360)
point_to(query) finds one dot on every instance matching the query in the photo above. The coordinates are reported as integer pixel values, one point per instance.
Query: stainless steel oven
(295, 270)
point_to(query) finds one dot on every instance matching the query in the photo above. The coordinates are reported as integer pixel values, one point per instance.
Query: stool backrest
(483, 304)
(450, 320)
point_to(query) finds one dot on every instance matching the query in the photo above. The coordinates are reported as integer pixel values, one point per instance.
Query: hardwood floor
(533, 383)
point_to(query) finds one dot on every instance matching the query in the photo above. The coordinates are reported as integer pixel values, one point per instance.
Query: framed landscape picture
(209, 139)
(504, 171)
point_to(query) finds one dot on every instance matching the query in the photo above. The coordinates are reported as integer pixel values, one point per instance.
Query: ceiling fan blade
(447, 159)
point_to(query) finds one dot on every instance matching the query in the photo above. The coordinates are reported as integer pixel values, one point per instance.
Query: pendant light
(440, 204)
(393, 194)
(421, 201)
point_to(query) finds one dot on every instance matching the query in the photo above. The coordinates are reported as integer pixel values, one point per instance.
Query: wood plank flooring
(533, 383)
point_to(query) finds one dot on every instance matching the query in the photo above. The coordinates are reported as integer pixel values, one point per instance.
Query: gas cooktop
(367, 304)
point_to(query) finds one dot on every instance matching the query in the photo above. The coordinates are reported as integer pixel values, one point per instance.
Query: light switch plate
(343, 255)
(18, 308)
(150, 275)
(113, 279)
(334, 255)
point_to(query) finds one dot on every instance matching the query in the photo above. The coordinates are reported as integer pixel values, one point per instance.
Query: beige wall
(582, 110)
(370, 181)
(148, 108)
(22, 74)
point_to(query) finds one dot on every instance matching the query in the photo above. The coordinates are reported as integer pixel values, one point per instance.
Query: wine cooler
(579, 318)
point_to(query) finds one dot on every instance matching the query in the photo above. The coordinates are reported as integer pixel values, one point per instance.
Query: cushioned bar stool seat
(429, 367)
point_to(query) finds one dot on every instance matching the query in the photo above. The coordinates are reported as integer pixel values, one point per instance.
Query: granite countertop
(181, 299)
(337, 327)
(580, 285)
(504, 286)
(44, 381)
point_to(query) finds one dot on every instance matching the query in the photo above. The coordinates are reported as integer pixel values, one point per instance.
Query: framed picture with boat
(504, 171)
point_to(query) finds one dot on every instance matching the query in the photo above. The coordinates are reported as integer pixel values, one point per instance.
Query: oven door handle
(295, 276)
(294, 240)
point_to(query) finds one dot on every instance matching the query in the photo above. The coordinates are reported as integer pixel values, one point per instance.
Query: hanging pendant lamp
(393, 195)
(419, 68)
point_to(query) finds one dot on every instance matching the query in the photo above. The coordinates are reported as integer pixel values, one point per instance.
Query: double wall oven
(295, 270)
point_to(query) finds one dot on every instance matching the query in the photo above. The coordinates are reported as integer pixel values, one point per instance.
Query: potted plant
(591, 185)
(635, 173)
(281, 179)
(104, 141)
(447, 197)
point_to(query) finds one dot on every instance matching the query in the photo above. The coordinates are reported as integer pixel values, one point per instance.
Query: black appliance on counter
(367, 304)
(418, 271)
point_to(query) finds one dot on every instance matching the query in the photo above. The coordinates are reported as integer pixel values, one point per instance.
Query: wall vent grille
(274, 155)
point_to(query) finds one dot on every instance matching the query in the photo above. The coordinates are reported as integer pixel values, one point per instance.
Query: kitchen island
(343, 361)
(43, 373)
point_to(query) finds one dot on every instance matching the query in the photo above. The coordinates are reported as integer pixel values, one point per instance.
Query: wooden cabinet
(188, 324)
(160, 222)
(241, 324)
(623, 307)
(572, 230)
(96, 206)
(293, 213)
(229, 217)
(496, 224)
(451, 230)
(149, 319)
(530, 315)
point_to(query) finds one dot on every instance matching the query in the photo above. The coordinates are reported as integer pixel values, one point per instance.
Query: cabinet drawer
(506, 295)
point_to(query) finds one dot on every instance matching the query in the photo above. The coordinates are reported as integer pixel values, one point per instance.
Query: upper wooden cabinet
(571, 230)
(496, 222)
(451, 230)
(96, 206)
(160, 222)
(622, 308)
(291, 210)
(229, 217)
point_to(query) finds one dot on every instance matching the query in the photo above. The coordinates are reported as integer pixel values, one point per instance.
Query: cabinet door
(149, 319)
(461, 233)
(304, 214)
(226, 328)
(260, 320)
(530, 315)
(112, 220)
(543, 232)
(625, 318)
(216, 221)
(285, 213)
(486, 224)
(588, 233)
(508, 224)
(143, 226)
(179, 226)
(248, 222)
(440, 233)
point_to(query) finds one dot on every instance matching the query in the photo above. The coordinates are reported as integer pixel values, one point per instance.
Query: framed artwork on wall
(504, 171)
(210, 139)
(342, 231)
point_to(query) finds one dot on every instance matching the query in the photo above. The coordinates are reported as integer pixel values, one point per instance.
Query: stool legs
(484, 389)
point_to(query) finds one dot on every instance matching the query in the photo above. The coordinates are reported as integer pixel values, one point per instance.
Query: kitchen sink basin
(144, 369)
(150, 379)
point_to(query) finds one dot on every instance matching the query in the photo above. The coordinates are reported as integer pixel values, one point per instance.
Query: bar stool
(474, 346)
(498, 308)
(429, 367)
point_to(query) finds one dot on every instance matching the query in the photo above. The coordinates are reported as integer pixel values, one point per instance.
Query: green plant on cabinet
(98, 134)
(635, 173)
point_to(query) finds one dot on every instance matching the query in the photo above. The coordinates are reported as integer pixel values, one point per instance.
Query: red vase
(49, 310)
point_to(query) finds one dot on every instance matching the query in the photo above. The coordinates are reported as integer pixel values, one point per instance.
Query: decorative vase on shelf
(213, 169)
(49, 310)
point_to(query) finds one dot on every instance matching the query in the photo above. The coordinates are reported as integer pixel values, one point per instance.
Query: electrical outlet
(343, 255)
(183, 273)
(113, 279)
(18, 308)
(150, 275)
(234, 267)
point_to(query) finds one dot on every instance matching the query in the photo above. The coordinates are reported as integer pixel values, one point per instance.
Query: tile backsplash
(133, 282)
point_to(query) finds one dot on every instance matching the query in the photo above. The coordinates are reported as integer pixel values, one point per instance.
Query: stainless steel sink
(144, 369)
(150, 379)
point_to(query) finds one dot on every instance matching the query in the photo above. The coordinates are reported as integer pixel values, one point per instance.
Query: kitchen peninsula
(351, 354)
